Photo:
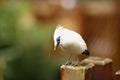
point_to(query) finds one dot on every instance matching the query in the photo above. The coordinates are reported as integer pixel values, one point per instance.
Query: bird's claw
(76, 64)
(68, 63)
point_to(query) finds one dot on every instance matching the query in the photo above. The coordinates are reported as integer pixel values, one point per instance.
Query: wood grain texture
(102, 69)
(82, 72)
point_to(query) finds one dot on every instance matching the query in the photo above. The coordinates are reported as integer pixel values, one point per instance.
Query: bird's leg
(77, 63)
(68, 60)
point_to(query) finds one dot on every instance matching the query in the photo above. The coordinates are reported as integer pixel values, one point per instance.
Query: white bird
(70, 41)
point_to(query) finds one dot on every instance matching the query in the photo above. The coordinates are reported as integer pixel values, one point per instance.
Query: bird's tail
(86, 52)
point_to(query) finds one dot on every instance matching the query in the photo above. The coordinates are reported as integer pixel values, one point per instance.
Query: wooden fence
(91, 68)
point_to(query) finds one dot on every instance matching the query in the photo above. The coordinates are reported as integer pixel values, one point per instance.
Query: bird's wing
(71, 37)
(80, 40)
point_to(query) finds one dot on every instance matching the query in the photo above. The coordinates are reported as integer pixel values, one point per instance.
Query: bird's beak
(55, 47)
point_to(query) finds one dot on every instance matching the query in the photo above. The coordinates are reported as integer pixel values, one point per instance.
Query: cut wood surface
(82, 72)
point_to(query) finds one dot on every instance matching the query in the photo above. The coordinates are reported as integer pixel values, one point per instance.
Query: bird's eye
(58, 39)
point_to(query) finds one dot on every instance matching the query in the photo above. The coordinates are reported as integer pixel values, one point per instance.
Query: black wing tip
(86, 52)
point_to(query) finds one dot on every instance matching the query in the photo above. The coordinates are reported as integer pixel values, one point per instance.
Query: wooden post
(102, 69)
(117, 75)
(82, 72)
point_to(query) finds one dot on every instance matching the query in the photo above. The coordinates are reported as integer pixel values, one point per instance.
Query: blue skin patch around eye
(58, 40)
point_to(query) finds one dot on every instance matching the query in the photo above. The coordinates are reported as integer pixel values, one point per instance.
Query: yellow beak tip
(54, 48)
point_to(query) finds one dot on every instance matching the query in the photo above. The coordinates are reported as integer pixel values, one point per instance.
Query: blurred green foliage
(8, 20)
(24, 50)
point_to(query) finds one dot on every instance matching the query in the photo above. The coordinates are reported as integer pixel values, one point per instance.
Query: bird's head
(57, 42)
(57, 36)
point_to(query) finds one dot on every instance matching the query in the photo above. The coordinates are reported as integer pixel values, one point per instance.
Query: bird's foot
(68, 63)
(76, 64)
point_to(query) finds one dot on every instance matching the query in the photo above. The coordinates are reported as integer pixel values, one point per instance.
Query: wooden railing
(92, 68)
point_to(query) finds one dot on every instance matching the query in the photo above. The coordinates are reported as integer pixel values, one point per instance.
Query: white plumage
(70, 41)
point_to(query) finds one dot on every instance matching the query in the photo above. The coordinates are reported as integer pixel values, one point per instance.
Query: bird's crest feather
(59, 27)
